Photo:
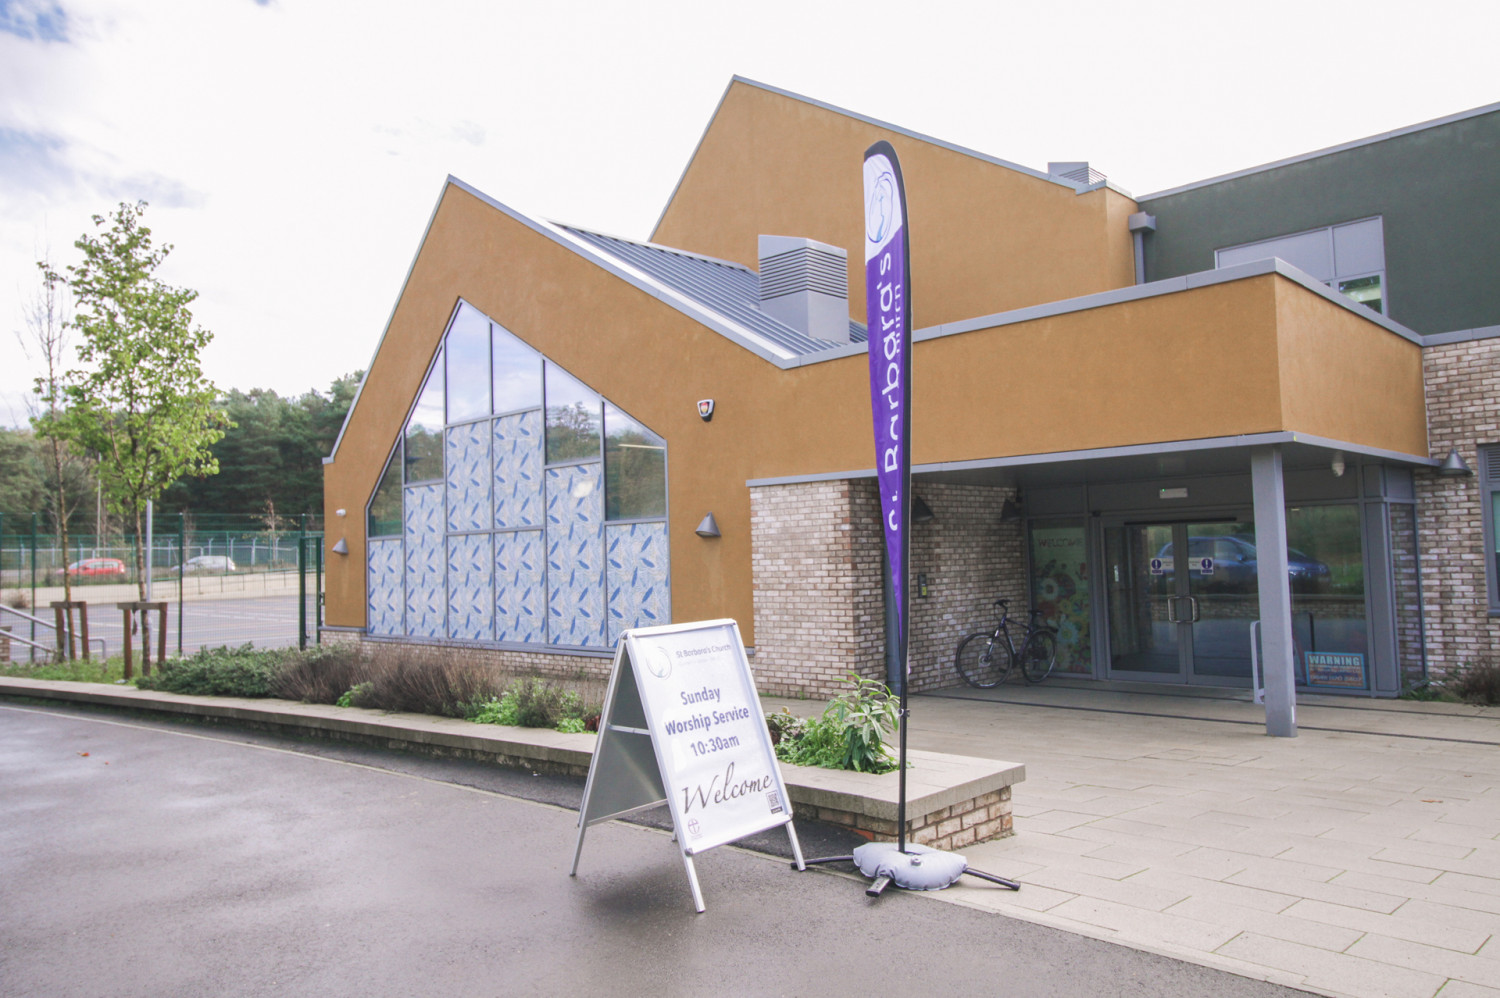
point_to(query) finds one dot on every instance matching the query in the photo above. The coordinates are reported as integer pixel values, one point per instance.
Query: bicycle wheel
(1039, 656)
(981, 662)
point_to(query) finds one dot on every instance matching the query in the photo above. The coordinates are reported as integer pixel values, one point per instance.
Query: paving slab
(1359, 858)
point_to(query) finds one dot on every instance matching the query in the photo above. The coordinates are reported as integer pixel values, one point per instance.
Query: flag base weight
(917, 868)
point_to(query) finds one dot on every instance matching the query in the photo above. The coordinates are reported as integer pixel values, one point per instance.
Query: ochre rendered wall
(1208, 362)
(985, 238)
(1339, 381)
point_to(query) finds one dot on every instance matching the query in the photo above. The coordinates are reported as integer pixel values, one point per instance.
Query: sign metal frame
(635, 760)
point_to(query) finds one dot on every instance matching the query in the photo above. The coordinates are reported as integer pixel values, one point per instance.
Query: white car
(206, 563)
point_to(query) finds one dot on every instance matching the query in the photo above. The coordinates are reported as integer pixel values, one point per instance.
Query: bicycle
(985, 660)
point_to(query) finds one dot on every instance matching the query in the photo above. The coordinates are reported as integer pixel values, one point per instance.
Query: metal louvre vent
(1076, 172)
(1489, 463)
(803, 269)
(805, 284)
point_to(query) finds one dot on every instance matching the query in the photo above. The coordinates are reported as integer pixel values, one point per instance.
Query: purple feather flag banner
(888, 317)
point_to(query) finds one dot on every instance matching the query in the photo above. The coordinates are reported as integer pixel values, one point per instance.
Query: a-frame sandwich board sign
(682, 726)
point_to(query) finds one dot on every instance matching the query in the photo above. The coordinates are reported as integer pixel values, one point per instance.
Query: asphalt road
(162, 859)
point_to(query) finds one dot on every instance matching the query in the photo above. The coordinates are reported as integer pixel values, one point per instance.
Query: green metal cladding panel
(1437, 189)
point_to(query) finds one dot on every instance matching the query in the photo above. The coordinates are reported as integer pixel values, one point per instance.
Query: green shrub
(496, 710)
(228, 672)
(783, 724)
(537, 703)
(357, 695)
(850, 734)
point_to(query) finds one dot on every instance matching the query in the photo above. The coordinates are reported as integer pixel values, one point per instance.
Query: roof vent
(1079, 173)
(805, 284)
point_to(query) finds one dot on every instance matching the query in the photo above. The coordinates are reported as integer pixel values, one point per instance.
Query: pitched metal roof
(730, 289)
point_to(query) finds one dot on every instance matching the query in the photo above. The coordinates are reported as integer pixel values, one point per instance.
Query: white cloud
(293, 152)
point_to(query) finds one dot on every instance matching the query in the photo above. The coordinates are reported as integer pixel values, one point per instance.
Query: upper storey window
(1349, 257)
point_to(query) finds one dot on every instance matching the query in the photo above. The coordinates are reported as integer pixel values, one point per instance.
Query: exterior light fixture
(341, 547)
(1454, 466)
(708, 528)
(341, 512)
(1010, 510)
(920, 511)
(1338, 464)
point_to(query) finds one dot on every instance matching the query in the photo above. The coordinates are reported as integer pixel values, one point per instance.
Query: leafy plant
(357, 695)
(230, 672)
(538, 703)
(851, 733)
(783, 724)
(496, 710)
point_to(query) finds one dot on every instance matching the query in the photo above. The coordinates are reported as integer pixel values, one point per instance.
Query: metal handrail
(103, 645)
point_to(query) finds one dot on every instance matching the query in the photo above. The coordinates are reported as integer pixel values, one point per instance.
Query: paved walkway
(1361, 858)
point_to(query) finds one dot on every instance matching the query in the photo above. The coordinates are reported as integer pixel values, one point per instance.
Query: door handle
(1193, 604)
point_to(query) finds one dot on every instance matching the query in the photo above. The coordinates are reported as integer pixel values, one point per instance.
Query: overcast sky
(293, 150)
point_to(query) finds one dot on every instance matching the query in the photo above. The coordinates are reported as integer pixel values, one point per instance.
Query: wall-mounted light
(341, 512)
(920, 511)
(1337, 466)
(709, 527)
(1454, 465)
(340, 547)
(1010, 509)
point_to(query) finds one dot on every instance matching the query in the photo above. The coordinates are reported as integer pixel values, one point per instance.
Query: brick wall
(971, 558)
(583, 669)
(816, 551)
(817, 591)
(1463, 412)
(977, 819)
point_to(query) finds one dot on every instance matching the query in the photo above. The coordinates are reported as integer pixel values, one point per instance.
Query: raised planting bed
(952, 801)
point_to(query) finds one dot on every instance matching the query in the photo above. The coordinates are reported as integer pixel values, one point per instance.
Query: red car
(97, 566)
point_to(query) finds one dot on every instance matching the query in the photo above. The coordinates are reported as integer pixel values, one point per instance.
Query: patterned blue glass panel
(467, 461)
(426, 586)
(518, 470)
(386, 588)
(575, 556)
(520, 587)
(636, 574)
(471, 588)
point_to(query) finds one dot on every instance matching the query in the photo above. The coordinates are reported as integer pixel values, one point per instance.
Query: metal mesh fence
(226, 580)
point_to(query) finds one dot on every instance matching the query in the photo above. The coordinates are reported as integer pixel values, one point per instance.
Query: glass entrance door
(1181, 600)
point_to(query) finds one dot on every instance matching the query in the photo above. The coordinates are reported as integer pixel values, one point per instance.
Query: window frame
(1487, 456)
(1337, 274)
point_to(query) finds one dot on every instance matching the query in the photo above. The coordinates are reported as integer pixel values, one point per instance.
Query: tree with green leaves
(140, 403)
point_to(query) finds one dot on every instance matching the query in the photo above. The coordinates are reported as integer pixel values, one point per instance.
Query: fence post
(301, 591)
(318, 593)
(31, 649)
(181, 568)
